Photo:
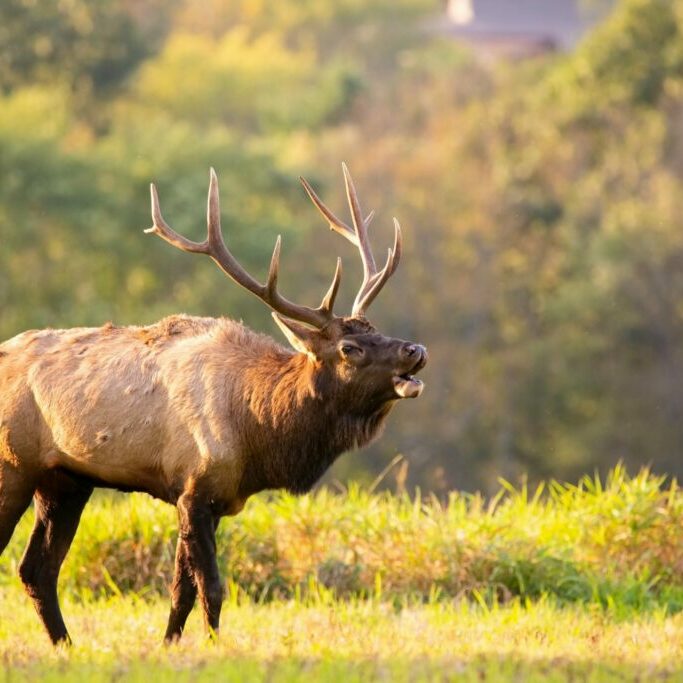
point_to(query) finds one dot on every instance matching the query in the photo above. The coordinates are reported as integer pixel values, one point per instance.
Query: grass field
(358, 640)
(568, 583)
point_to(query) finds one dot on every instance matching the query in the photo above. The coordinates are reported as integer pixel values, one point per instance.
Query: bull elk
(199, 412)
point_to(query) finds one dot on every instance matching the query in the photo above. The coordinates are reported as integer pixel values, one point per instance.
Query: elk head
(370, 367)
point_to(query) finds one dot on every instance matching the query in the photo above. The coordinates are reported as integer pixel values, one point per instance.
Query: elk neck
(300, 420)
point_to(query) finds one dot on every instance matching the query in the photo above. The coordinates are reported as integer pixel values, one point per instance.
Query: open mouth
(406, 385)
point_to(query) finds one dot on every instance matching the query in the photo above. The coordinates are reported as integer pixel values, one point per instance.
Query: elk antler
(373, 280)
(214, 246)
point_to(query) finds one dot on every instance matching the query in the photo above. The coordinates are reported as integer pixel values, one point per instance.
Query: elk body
(199, 412)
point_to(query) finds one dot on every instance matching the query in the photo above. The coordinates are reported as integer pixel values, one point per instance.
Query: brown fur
(199, 412)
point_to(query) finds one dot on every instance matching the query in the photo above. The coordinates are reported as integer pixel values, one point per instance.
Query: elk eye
(349, 350)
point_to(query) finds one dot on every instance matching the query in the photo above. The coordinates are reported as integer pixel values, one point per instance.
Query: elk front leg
(196, 567)
(59, 501)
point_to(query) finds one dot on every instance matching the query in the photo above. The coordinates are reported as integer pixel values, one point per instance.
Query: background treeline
(541, 203)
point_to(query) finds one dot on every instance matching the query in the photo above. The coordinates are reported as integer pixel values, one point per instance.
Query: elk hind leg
(59, 502)
(183, 593)
(183, 590)
(16, 491)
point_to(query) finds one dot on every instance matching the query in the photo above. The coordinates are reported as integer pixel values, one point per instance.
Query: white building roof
(559, 23)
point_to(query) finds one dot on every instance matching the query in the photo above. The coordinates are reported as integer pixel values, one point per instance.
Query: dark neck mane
(300, 422)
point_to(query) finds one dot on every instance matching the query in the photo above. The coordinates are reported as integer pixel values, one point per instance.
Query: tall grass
(617, 543)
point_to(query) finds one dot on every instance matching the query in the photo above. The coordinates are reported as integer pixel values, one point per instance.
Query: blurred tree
(90, 44)
(543, 259)
(251, 83)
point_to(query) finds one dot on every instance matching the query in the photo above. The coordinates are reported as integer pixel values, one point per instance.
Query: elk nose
(414, 351)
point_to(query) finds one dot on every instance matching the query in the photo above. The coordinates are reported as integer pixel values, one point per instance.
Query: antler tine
(213, 212)
(160, 227)
(373, 287)
(327, 303)
(274, 269)
(373, 281)
(336, 224)
(369, 267)
(214, 246)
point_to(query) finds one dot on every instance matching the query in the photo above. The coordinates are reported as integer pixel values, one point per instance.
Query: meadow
(562, 582)
(543, 261)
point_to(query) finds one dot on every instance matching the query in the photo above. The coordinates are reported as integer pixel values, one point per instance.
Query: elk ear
(299, 336)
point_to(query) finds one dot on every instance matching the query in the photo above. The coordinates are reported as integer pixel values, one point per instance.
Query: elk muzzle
(414, 358)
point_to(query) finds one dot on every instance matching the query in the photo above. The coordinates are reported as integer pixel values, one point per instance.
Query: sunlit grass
(618, 544)
(562, 583)
(347, 640)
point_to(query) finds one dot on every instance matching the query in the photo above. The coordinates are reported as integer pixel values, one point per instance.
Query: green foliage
(566, 300)
(631, 57)
(544, 258)
(617, 545)
(93, 44)
(251, 83)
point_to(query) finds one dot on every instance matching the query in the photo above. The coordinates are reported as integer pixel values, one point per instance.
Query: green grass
(617, 544)
(346, 640)
(566, 583)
